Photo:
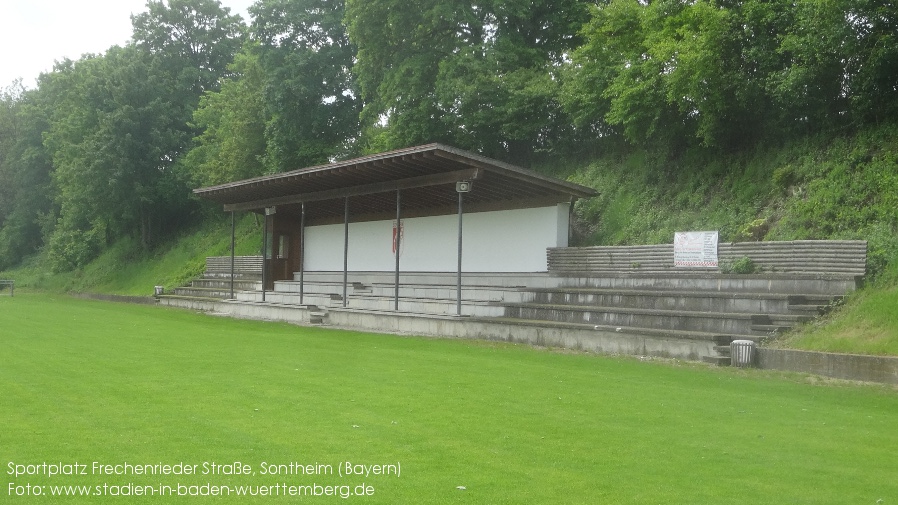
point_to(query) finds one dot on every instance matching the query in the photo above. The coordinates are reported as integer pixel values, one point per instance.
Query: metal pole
(458, 278)
(233, 232)
(264, 254)
(345, 249)
(302, 253)
(398, 242)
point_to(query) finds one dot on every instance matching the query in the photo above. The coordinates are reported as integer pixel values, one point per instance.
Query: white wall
(502, 241)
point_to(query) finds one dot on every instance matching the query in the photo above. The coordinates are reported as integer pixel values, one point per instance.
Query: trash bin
(742, 353)
(158, 290)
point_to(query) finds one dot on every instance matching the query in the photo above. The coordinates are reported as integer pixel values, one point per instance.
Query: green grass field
(86, 382)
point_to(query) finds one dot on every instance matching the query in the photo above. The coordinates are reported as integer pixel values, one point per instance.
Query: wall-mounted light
(463, 186)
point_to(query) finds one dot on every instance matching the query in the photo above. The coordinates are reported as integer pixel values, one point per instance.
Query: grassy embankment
(823, 188)
(84, 381)
(126, 269)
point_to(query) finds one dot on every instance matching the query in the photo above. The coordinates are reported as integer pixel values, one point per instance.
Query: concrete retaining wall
(598, 341)
(840, 366)
(145, 300)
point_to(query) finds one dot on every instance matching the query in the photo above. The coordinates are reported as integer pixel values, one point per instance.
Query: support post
(302, 253)
(345, 248)
(397, 243)
(458, 277)
(233, 242)
(264, 254)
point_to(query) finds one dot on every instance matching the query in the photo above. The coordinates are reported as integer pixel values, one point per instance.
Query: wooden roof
(426, 176)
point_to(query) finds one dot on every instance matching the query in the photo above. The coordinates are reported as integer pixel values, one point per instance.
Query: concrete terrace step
(718, 322)
(703, 301)
(717, 338)
(718, 360)
(438, 306)
(240, 284)
(237, 276)
(189, 297)
(791, 284)
(504, 280)
(723, 350)
(428, 291)
(192, 291)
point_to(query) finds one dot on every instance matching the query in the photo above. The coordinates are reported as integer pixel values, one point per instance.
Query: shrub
(742, 266)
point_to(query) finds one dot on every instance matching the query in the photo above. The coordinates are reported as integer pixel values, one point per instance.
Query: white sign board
(695, 249)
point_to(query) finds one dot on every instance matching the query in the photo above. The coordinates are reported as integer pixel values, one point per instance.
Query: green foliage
(482, 77)
(671, 74)
(740, 266)
(127, 268)
(823, 188)
(754, 231)
(197, 37)
(119, 122)
(71, 247)
(25, 170)
(232, 120)
(847, 190)
(312, 101)
(112, 125)
(645, 200)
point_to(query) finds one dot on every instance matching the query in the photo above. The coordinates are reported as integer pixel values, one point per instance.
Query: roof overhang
(426, 176)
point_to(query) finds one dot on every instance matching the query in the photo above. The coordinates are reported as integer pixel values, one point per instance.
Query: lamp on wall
(463, 186)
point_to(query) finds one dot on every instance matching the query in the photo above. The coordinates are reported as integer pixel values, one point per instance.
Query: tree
(121, 122)
(312, 101)
(232, 143)
(843, 64)
(112, 138)
(674, 74)
(500, 95)
(10, 104)
(479, 75)
(24, 173)
(200, 35)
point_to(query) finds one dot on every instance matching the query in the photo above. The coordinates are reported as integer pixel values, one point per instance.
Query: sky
(36, 33)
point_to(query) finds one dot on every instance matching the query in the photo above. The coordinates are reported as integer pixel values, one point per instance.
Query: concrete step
(794, 284)
(240, 284)
(809, 310)
(433, 291)
(439, 306)
(723, 350)
(317, 315)
(202, 292)
(717, 338)
(770, 329)
(237, 276)
(703, 301)
(175, 296)
(508, 280)
(714, 322)
(718, 360)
